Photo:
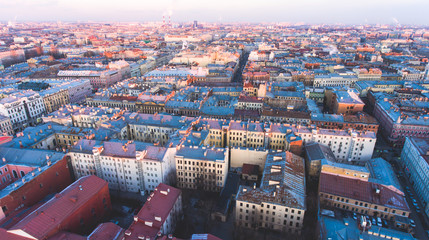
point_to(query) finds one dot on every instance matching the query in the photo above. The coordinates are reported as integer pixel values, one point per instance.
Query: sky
(308, 11)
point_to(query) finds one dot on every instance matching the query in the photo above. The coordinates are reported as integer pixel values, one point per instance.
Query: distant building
(6, 125)
(23, 109)
(401, 118)
(360, 121)
(346, 102)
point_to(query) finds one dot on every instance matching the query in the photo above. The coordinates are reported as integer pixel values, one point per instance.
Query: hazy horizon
(412, 12)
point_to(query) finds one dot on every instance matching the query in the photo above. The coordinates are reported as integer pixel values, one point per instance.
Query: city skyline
(307, 11)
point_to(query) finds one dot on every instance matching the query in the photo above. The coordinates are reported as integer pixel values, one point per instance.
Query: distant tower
(169, 20)
(163, 20)
(195, 24)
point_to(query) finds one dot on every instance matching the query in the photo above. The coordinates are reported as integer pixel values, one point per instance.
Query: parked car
(379, 223)
(412, 223)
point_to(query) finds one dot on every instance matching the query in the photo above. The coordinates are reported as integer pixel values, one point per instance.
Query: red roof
(67, 236)
(362, 190)
(106, 231)
(244, 98)
(248, 85)
(10, 236)
(121, 98)
(151, 217)
(250, 169)
(48, 218)
(5, 139)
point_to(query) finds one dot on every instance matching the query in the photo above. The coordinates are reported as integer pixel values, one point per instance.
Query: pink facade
(10, 173)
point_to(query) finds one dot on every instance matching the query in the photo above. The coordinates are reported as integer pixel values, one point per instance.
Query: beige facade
(279, 203)
(361, 207)
(53, 101)
(269, 216)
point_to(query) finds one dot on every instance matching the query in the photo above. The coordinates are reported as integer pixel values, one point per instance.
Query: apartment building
(77, 208)
(346, 102)
(360, 121)
(54, 98)
(334, 80)
(153, 128)
(158, 216)
(371, 190)
(201, 168)
(249, 103)
(23, 109)
(126, 166)
(346, 145)
(401, 118)
(279, 203)
(414, 161)
(245, 134)
(98, 79)
(6, 125)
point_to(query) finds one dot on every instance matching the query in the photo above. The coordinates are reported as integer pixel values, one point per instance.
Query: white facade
(79, 91)
(139, 173)
(346, 145)
(22, 109)
(240, 156)
(334, 81)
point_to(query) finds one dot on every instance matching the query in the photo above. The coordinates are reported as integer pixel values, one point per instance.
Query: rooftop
(283, 182)
(39, 224)
(149, 220)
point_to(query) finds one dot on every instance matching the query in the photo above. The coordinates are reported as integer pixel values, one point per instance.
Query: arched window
(15, 175)
(22, 173)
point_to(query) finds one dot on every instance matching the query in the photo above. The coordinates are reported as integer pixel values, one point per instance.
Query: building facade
(277, 204)
(201, 168)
